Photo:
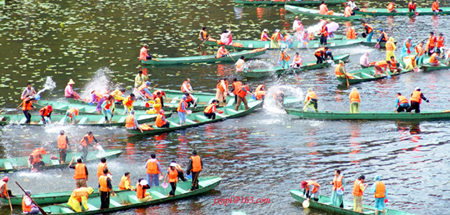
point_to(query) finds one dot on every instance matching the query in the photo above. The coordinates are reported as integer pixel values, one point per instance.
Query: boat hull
(328, 2)
(312, 12)
(402, 12)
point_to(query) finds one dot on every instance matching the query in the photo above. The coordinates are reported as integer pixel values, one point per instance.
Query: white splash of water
(315, 28)
(100, 83)
(48, 85)
(259, 64)
(291, 92)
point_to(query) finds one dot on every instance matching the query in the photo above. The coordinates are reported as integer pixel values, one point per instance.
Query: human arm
(136, 122)
(159, 167)
(183, 106)
(309, 193)
(87, 173)
(70, 164)
(84, 202)
(373, 188)
(423, 97)
(188, 170)
(109, 184)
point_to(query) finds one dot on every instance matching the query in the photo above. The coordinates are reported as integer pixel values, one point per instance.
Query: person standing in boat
(226, 38)
(358, 190)
(284, 58)
(431, 44)
(128, 103)
(242, 96)
(79, 197)
(381, 193)
(401, 104)
(28, 91)
(311, 101)
(369, 31)
(181, 110)
(153, 170)
(27, 106)
(323, 34)
(105, 189)
(440, 45)
(420, 53)
(407, 48)
(337, 196)
(63, 142)
(311, 187)
(81, 173)
(28, 207)
(35, 158)
(101, 166)
(390, 49)
(195, 166)
(203, 35)
(85, 142)
(276, 39)
(172, 174)
(298, 61)
(222, 90)
(416, 100)
(355, 100)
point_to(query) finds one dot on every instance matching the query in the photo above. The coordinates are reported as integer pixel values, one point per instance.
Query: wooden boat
(251, 44)
(269, 2)
(366, 74)
(427, 67)
(402, 12)
(328, 115)
(324, 204)
(21, 163)
(313, 12)
(127, 200)
(206, 58)
(199, 118)
(258, 73)
(92, 120)
(84, 108)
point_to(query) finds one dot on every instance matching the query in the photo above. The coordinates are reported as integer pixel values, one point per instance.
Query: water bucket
(305, 204)
(189, 177)
(339, 192)
(165, 185)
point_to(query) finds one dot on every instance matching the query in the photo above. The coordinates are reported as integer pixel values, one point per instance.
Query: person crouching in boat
(379, 66)
(322, 54)
(131, 121)
(161, 95)
(72, 113)
(416, 100)
(310, 188)
(118, 95)
(79, 197)
(125, 182)
(35, 158)
(401, 104)
(298, 61)
(128, 103)
(358, 190)
(393, 66)
(210, 111)
(222, 52)
(69, 92)
(355, 100)
(46, 114)
(412, 7)
(383, 36)
(311, 101)
(240, 64)
(434, 60)
(161, 121)
(278, 96)
(141, 190)
(381, 193)
(410, 62)
(144, 90)
(260, 92)
(28, 207)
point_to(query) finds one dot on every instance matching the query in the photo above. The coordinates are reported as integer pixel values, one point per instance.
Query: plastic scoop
(305, 204)
(221, 111)
(189, 177)
(164, 185)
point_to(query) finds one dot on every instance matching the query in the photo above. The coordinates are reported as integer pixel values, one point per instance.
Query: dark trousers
(28, 116)
(329, 54)
(162, 102)
(319, 59)
(62, 155)
(195, 180)
(210, 115)
(174, 187)
(167, 125)
(235, 98)
(241, 99)
(403, 108)
(84, 149)
(104, 199)
(415, 106)
(431, 51)
(323, 40)
(189, 103)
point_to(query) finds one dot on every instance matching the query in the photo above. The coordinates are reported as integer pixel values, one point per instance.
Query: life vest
(323, 9)
(433, 58)
(210, 108)
(44, 111)
(203, 34)
(263, 36)
(221, 85)
(408, 46)
(311, 95)
(432, 42)
(100, 168)
(259, 92)
(5, 191)
(383, 35)
(354, 97)
(72, 112)
(351, 34)
(285, 57)
(390, 46)
(173, 175)
(324, 31)
(402, 100)
(122, 182)
(315, 184)
(412, 6)
(26, 208)
(140, 191)
(62, 141)
(180, 108)
(319, 52)
(357, 188)
(109, 103)
(103, 182)
(36, 154)
(27, 104)
(380, 190)
(155, 94)
(80, 171)
(241, 93)
(390, 6)
(128, 101)
(187, 85)
(276, 36)
(416, 97)
(116, 93)
(129, 122)
(152, 167)
(337, 70)
(393, 64)
(369, 28)
(337, 182)
(236, 86)
(196, 163)
(83, 141)
(435, 6)
(440, 42)
(419, 50)
(80, 192)
(159, 122)
(381, 63)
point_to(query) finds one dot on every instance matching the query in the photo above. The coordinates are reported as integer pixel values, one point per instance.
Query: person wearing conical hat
(69, 92)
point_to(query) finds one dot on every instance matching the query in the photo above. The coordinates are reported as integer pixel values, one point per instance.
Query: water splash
(100, 83)
(317, 27)
(259, 64)
(289, 91)
(48, 85)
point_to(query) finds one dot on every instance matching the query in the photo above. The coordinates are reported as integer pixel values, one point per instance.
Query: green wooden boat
(324, 204)
(21, 163)
(269, 2)
(205, 58)
(402, 12)
(251, 44)
(427, 67)
(92, 120)
(258, 73)
(199, 118)
(128, 200)
(366, 74)
(328, 115)
(313, 12)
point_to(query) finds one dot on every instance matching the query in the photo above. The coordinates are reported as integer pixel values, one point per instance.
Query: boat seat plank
(174, 100)
(122, 119)
(202, 117)
(7, 165)
(92, 207)
(190, 121)
(66, 210)
(368, 212)
(101, 121)
(181, 191)
(82, 121)
(22, 121)
(175, 124)
(133, 199)
(158, 194)
(55, 162)
(231, 110)
(113, 202)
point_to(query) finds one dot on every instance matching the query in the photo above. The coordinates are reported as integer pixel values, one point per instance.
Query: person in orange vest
(182, 108)
(391, 7)
(108, 107)
(161, 121)
(383, 36)
(143, 54)
(340, 72)
(369, 31)
(351, 33)
(161, 95)
(203, 35)
(145, 91)
(28, 207)
(412, 7)
(81, 173)
(195, 166)
(435, 6)
(35, 158)
(311, 101)
(141, 190)
(264, 36)
(79, 197)
(355, 100)
(153, 170)
(105, 188)
(379, 66)
(4, 192)
(323, 9)
(393, 66)
(401, 104)
(128, 103)
(260, 92)
(222, 52)
(431, 44)
(117, 95)
(434, 60)
(27, 106)
(125, 182)
(278, 96)
(222, 90)
(180, 170)
(240, 64)
(338, 183)
(358, 190)
(407, 48)
(172, 174)
(276, 39)
(440, 45)
(87, 141)
(186, 86)
(95, 96)
(381, 193)
(242, 96)
(416, 100)
(131, 121)
(310, 187)
(72, 113)
(101, 166)
(63, 142)
(46, 114)
(235, 87)
(284, 58)
(210, 111)
(322, 54)
(323, 35)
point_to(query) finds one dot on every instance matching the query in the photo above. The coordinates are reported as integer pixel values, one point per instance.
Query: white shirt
(364, 60)
(224, 37)
(352, 5)
(296, 24)
(187, 87)
(27, 92)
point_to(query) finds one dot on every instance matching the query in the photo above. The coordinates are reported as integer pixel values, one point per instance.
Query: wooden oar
(10, 206)
(40, 209)
(346, 77)
(207, 38)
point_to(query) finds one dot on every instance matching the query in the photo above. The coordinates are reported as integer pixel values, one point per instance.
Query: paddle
(346, 77)
(40, 209)
(10, 206)
(207, 38)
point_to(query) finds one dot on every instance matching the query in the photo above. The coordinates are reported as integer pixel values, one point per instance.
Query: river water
(262, 155)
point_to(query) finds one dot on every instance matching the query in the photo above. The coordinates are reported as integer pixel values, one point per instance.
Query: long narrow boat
(92, 120)
(84, 108)
(270, 2)
(367, 74)
(324, 204)
(127, 200)
(402, 12)
(258, 73)
(427, 67)
(328, 115)
(197, 119)
(233, 56)
(21, 163)
(313, 12)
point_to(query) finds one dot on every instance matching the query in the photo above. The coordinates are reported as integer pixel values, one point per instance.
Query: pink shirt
(143, 55)
(68, 92)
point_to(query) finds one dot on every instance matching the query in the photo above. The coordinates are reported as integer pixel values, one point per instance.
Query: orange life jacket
(102, 181)
(381, 63)
(173, 175)
(80, 171)
(337, 70)
(432, 42)
(402, 100)
(337, 182)
(62, 141)
(311, 95)
(159, 122)
(324, 31)
(44, 111)
(351, 34)
(380, 190)
(189, 98)
(419, 50)
(221, 84)
(236, 85)
(276, 37)
(83, 141)
(73, 111)
(152, 167)
(36, 154)
(320, 52)
(27, 104)
(155, 94)
(203, 34)
(433, 58)
(390, 46)
(100, 168)
(435, 6)
(97, 97)
(122, 183)
(369, 28)
(390, 6)
(80, 192)
(412, 6)
(109, 103)
(315, 184)
(354, 97)
(285, 57)
(259, 92)
(188, 86)
(129, 101)
(210, 108)
(129, 121)
(241, 93)
(440, 42)
(384, 35)
(140, 191)
(416, 97)
(357, 188)
(180, 108)
(196, 163)
(26, 208)
(5, 191)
